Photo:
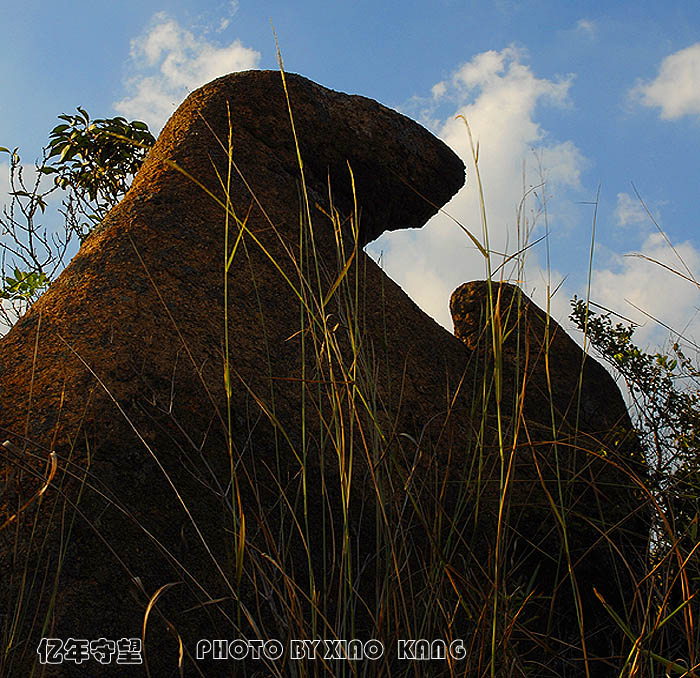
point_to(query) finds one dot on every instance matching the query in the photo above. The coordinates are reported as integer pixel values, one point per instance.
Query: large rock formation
(340, 474)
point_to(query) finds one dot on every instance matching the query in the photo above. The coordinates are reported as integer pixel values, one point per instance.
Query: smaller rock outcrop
(574, 463)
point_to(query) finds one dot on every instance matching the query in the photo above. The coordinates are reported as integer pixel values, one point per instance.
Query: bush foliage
(92, 163)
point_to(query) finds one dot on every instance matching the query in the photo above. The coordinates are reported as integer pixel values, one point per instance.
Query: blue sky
(577, 94)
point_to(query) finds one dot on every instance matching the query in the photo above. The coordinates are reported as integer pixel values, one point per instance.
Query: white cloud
(438, 90)
(169, 62)
(563, 164)
(224, 22)
(636, 283)
(498, 94)
(629, 211)
(676, 89)
(4, 183)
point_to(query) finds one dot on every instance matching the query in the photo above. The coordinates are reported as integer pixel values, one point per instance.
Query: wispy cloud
(676, 89)
(168, 62)
(640, 289)
(586, 27)
(225, 21)
(498, 93)
(438, 90)
(629, 211)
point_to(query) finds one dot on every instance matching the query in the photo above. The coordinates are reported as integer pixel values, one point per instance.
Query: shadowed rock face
(345, 462)
(571, 416)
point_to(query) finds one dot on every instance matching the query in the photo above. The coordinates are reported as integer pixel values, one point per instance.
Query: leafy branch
(92, 163)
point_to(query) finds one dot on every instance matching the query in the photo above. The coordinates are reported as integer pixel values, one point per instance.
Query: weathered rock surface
(343, 485)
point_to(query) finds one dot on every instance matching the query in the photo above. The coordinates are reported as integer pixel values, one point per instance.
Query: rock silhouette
(572, 424)
(337, 476)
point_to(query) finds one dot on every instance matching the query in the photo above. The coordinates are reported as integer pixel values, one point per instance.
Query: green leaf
(67, 153)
